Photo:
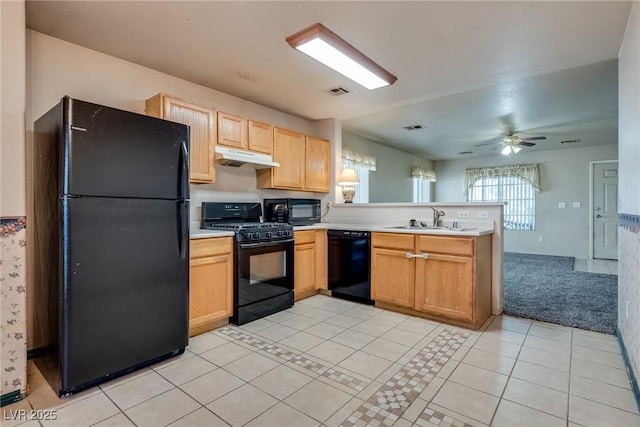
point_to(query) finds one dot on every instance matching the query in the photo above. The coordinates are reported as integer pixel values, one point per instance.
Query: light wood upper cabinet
(260, 137)
(289, 151)
(201, 121)
(232, 131)
(317, 165)
(210, 283)
(304, 163)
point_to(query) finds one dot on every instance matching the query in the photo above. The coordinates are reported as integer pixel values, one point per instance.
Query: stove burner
(244, 220)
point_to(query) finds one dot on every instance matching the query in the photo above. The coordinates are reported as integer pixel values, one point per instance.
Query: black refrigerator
(111, 242)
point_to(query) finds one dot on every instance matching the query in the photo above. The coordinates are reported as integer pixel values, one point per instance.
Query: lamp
(325, 46)
(347, 180)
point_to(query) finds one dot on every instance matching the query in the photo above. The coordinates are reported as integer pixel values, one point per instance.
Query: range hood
(232, 157)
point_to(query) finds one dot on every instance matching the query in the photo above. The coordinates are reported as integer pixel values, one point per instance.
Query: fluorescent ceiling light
(325, 46)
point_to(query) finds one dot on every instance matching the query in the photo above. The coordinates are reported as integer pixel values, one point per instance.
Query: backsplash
(13, 242)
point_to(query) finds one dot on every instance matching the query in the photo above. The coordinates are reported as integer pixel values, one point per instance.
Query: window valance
(418, 172)
(526, 172)
(352, 158)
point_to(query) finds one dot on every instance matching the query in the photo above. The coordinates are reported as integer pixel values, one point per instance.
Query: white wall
(564, 177)
(13, 377)
(56, 68)
(629, 147)
(391, 182)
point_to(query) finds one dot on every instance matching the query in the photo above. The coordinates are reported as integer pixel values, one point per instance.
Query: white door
(605, 210)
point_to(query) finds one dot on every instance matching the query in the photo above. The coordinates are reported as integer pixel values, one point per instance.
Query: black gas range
(263, 255)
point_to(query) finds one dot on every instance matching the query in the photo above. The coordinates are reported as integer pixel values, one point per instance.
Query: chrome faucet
(436, 216)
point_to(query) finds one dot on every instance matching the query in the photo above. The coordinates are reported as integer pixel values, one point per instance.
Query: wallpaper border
(629, 222)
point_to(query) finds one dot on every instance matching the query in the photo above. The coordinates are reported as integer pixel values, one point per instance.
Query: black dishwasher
(349, 265)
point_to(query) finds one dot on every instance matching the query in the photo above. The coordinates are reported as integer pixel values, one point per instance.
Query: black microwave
(292, 211)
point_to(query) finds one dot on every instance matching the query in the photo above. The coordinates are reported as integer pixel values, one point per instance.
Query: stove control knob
(279, 233)
(268, 234)
(256, 235)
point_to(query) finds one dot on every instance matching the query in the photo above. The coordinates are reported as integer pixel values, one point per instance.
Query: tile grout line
(568, 406)
(510, 373)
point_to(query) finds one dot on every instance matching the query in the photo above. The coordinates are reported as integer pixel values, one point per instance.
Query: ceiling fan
(512, 143)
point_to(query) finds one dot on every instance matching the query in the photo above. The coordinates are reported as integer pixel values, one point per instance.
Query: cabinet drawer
(214, 246)
(395, 241)
(302, 237)
(446, 245)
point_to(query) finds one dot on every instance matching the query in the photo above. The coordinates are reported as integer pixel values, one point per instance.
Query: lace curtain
(526, 172)
(352, 158)
(418, 172)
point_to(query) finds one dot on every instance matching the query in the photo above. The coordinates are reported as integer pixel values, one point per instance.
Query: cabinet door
(305, 269)
(444, 286)
(210, 289)
(260, 137)
(202, 144)
(288, 150)
(317, 165)
(232, 131)
(392, 277)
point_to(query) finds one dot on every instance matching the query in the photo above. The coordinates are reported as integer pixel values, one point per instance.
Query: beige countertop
(466, 231)
(198, 233)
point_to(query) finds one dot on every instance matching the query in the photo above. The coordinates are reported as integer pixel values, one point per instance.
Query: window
(422, 180)
(514, 184)
(421, 190)
(362, 189)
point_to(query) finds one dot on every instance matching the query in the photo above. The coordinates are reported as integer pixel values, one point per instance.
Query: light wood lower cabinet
(210, 283)
(310, 258)
(392, 276)
(440, 277)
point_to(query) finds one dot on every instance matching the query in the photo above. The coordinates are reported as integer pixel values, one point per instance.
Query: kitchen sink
(429, 227)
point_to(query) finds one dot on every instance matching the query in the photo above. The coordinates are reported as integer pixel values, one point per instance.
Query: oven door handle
(262, 244)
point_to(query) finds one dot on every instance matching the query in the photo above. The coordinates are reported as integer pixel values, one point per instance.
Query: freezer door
(125, 285)
(115, 153)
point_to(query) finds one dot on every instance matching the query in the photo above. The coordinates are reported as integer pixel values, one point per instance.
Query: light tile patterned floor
(328, 362)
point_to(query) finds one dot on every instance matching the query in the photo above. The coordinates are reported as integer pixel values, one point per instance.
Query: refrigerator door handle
(183, 228)
(184, 171)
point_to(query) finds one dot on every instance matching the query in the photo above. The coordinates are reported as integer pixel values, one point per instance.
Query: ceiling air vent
(415, 127)
(570, 141)
(339, 90)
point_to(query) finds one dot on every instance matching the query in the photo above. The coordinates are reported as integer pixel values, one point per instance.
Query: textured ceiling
(466, 70)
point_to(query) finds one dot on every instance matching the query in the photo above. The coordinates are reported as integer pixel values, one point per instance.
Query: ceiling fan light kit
(325, 46)
(510, 149)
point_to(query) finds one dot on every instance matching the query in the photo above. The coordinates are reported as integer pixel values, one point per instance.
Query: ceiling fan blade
(487, 143)
(526, 144)
(535, 138)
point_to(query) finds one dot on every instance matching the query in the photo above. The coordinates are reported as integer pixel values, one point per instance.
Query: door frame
(592, 163)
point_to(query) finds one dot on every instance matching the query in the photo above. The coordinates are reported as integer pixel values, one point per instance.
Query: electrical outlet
(562, 205)
(576, 204)
(540, 239)
(463, 214)
(626, 309)
(482, 214)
